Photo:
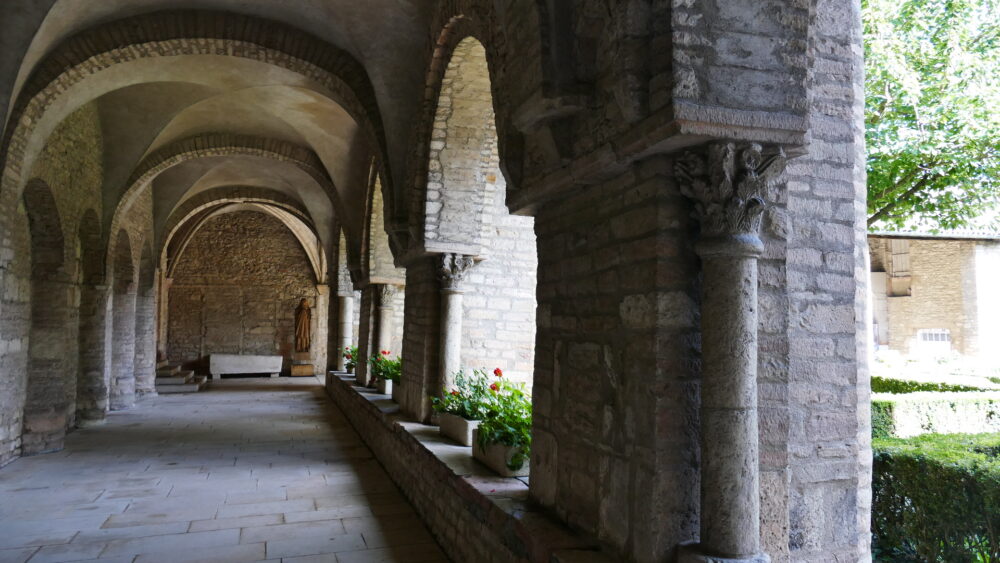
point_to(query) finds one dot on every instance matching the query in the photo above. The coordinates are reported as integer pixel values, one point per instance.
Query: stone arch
(50, 388)
(205, 146)
(466, 214)
(178, 32)
(458, 22)
(228, 194)
(91, 385)
(123, 299)
(145, 324)
(286, 211)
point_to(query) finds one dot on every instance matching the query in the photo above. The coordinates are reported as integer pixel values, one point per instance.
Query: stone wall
(70, 165)
(236, 288)
(615, 382)
(943, 294)
(828, 425)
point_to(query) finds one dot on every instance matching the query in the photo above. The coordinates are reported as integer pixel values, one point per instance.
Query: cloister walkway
(247, 470)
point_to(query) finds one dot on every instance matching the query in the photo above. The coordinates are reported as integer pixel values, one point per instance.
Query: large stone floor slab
(249, 470)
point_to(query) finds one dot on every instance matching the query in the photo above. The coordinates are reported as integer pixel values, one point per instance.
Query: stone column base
(691, 554)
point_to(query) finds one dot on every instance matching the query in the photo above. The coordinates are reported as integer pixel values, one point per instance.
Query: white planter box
(457, 428)
(495, 457)
(385, 386)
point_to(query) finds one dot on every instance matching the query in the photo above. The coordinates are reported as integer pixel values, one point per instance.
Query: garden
(935, 471)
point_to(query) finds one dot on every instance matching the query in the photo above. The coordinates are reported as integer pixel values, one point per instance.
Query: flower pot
(495, 457)
(385, 386)
(457, 428)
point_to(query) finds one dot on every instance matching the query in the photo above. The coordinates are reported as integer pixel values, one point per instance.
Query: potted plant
(461, 408)
(385, 371)
(350, 358)
(503, 439)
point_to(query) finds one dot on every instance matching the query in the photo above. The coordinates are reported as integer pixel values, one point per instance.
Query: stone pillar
(387, 293)
(123, 349)
(726, 186)
(92, 387)
(321, 320)
(345, 327)
(162, 306)
(452, 272)
(144, 365)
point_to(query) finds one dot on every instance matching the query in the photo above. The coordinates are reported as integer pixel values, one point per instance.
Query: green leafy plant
(509, 421)
(351, 357)
(470, 398)
(887, 385)
(385, 368)
(931, 125)
(936, 497)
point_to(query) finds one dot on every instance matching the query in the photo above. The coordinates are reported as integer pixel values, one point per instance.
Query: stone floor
(250, 470)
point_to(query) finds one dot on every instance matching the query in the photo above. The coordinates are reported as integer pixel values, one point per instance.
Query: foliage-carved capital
(727, 183)
(453, 269)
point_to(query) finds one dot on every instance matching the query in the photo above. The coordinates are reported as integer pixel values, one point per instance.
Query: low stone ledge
(474, 514)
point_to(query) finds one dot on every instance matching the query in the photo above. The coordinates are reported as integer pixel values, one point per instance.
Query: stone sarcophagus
(220, 364)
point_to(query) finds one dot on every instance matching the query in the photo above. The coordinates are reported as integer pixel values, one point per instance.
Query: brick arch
(222, 144)
(178, 33)
(48, 246)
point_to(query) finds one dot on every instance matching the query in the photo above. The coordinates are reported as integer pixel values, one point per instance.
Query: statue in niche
(303, 326)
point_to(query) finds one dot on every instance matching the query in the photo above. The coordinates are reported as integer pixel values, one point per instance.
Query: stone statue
(303, 326)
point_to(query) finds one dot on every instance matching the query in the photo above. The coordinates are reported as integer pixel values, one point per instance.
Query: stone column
(92, 388)
(387, 293)
(163, 307)
(726, 186)
(345, 327)
(321, 320)
(123, 348)
(452, 272)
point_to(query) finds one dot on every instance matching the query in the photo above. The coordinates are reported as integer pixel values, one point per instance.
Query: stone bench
(220, 364)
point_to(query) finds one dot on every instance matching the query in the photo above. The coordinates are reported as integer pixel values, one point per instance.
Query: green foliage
(883, 423)
(384, 368)
(470, 399)
(936, 497)
(887, 385)
(932, 89)
(351, 358)
(509, 422)
(994, 380)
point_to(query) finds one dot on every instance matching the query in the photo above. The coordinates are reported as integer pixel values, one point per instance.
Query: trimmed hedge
(936, 498)
(886, 385)
(911, 414)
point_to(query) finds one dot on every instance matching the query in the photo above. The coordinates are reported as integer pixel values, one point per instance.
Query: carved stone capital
(453, 269)
(386, 293)
(727, 183)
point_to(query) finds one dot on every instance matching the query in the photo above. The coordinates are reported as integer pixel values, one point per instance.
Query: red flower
(494, 387)
(498, 372)
(385, 352)
(349, 357)
(454, 392)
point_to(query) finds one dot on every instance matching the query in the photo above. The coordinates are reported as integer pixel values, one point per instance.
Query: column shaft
(451, 335)
(730, 464)
(345, 328)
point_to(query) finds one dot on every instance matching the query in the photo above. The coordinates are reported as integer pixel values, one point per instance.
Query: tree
(932, 118)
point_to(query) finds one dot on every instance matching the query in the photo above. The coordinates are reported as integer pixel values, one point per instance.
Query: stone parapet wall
(473, 518)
